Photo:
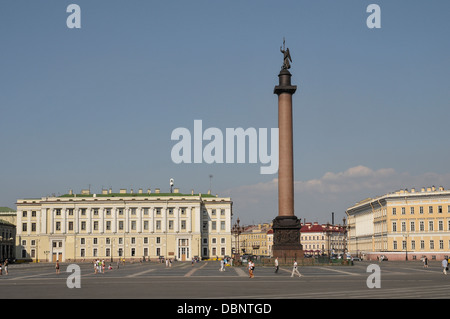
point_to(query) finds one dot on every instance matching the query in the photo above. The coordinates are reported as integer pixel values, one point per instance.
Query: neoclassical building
(406, 224)
(125, 225)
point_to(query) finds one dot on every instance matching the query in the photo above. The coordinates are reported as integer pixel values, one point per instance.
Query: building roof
(316, 228)
(7, 210)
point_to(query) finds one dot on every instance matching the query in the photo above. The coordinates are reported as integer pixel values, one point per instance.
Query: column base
(286, 237)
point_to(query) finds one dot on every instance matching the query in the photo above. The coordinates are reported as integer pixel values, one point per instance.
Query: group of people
(251, 268)
(100, 265)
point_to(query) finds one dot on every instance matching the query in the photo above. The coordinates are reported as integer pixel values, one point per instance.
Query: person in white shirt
(276, 265)
(444, 266)
(295, 270)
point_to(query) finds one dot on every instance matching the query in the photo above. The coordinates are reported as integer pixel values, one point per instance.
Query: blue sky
(97, 105)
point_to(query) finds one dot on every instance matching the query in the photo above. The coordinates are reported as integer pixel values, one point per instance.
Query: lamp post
(237, 230)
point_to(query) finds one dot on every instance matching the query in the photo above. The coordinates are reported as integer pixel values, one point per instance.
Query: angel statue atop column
(286, 57)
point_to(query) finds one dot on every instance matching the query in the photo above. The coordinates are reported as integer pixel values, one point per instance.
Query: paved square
(204, 280)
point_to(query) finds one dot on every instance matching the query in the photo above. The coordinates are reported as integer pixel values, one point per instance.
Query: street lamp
(237, 230)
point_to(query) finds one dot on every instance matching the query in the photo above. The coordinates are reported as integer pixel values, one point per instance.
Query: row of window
(421, 210)
(120, 225)
(412, 228)
(121, 211)
(421, 245)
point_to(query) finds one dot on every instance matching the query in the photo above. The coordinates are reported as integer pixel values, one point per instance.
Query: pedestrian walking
(295, 270)
(57, 266)
(222, 264)
(6, 266)
(276, 265)
(425, 262)
(444, 266)
(251, 268)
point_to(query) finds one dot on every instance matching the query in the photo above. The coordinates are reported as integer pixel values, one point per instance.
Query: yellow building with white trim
(404, 225)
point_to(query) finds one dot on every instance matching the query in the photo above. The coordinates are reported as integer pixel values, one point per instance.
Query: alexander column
(286, 225)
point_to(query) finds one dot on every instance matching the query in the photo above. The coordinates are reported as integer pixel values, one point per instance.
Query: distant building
(323, 239)
(254, 240)
(7, 233)
(124, 225)
(401, 225)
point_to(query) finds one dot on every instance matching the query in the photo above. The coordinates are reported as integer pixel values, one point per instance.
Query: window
(171, 224)
(70, 225)
(440, 209)
(403, 211)
(120, 224)
(24, 214)
(413, 244)
(222, 225)
(430, 225)
(58, 226)
(83, 225)
(403, 226)
(421, 225)
(413, 226)
(421, 210)
(133, 225)
(33, 227)
(145, 224)
(441, 244)
(213, 225)
(394, 226)
(441, 225)
(431, 244)
(394, 211)
(422, 244)
(430, 209)
(411, 210)
(108, 225)
(222, 212)
(96, 225)
(404, 244)
(183, 225)
(158, 225)
(395, 244)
